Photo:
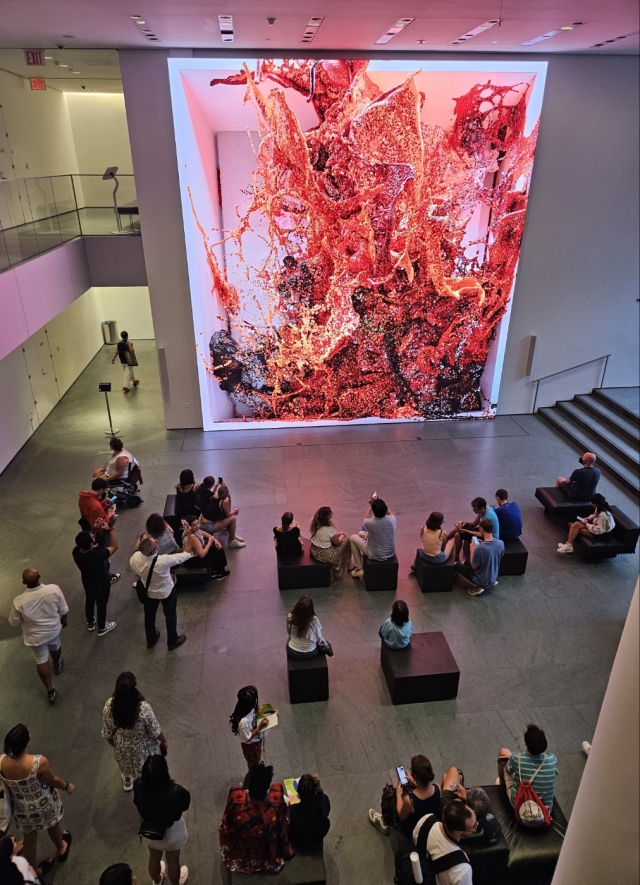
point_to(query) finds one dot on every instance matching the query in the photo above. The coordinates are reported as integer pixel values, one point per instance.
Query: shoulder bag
(142, 589)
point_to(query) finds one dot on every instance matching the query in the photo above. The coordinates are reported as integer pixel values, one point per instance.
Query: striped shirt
(545, 780)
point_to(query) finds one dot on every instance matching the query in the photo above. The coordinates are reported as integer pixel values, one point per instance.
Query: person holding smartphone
(600, 522)
(415, 796)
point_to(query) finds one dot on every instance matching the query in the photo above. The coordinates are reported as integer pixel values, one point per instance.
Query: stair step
(583, 439)
(622, 425)
(608, 395)
(627, 451)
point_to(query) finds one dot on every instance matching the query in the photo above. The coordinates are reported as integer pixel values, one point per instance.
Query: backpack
(430, 868)
(528, 807)
(135, 473)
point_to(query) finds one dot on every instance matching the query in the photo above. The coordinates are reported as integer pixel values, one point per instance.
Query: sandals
(67, 838)
(45, 867)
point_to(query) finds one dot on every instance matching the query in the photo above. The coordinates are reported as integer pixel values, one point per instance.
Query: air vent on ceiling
(225, 23)
(400, 25)
(469, 35)
(311, 29)
(553, 33)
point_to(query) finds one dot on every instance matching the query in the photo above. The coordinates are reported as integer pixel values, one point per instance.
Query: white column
(601, 845)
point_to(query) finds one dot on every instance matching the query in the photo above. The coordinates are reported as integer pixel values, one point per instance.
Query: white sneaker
(586, 747)
(566, 548)
(163, 872)
(108, 627)
(127, 783)
(376, 819)
(497, 782)
(184, 875)
(236, 543)
(238, 538)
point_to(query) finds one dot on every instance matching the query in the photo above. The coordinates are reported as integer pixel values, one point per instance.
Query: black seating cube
(622, 539)
(557, 504)
(302, 572)
(533, 854)
(380, 574)
(435, 578)
(300, 870)
(169, 515)
(424, 671)
(190, 576)
(490, 863)
(514, 560)
(308, 679)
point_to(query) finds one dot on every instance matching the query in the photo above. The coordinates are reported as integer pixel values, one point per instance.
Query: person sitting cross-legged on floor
(600, 522)
(305, 632)
(464, 532)
(482, 569)
(413, 800)
(309, 818)
(396, 630)
(516, 767)
(509, 516)
(377, 540)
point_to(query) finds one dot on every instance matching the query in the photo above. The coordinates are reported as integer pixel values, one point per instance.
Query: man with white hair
(583, 481)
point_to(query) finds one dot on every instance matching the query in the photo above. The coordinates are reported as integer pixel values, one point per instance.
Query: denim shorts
(434, 560)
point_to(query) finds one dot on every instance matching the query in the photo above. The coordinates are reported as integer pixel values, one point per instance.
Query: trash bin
(110, 331)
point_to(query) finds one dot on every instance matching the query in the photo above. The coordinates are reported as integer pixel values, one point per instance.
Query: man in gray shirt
(377, 541)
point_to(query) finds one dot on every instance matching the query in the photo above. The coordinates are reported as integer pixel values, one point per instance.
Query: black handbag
(141, 590)
(149, 830)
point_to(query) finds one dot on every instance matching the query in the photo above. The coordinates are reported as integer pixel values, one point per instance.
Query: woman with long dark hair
(287, 537)
(600, 522)
(305, 631)
(161, 803)
(328, 544)
(35, 799)
(208, 551)
(217, 516)
(129, 725)
(245, 722)
(14, 869)
(187, 491)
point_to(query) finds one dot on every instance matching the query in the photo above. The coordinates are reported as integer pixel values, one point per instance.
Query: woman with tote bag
(126, 352)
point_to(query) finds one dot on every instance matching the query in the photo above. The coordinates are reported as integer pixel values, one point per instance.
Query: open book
(269, 712)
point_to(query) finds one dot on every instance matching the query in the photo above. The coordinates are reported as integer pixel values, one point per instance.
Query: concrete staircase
(607, 422)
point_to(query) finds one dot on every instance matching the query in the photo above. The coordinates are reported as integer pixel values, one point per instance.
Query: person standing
(35, 798)
(245, 722)
(125, 351)
(377, 540)
(131, 728)
(93, 562)
(160, 588)
(96, 510)
(42, 612)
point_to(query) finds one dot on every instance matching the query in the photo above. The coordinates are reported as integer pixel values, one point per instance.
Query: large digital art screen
(353, 230)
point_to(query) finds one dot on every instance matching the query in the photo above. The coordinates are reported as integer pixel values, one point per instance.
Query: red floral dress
(253, 835)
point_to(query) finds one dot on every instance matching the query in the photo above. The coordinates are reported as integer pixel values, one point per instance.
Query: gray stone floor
(537, 648)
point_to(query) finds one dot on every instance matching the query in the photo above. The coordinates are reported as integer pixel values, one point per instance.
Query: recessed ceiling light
(567, 28)
(140, 21)
(311, 29)
(494, 41)
(225, 23)
(134, 17)
(49, 57)
(64, 66)
(400, 25)
(474, 33)
(550, 34)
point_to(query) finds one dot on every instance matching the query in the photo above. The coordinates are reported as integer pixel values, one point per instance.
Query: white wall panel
(19, 418)
(129, 306)
(75, 337)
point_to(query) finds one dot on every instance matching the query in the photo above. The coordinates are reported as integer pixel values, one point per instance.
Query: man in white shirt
(161, 588)
(444, 839)
(41, 611)
(377, 541)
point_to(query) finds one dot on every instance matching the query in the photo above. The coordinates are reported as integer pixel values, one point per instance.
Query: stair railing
(596, 359)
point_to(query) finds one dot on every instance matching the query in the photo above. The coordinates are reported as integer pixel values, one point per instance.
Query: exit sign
(38, 83)
(34, 57)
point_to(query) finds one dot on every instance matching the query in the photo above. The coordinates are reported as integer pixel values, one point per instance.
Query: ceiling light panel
(553, 33)
(469, 35)
(400, 25)
(144, 28)
(225, 23)
(311, 29)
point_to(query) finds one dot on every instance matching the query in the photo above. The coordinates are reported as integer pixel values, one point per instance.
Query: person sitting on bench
(465, 531)
(208, 551)
(458, 821)
(509, 516)
(206, 490)
(328, 544)
(287, 537)
(396, 630)
(436, 548)
(309, 818)
(600, 522)
(214, 519)
(583, 481)
(159, 529)
(305, 632)
(512, 767)
(418, 797)
(377, 540)
(453, 790)
(186, 494)
(481, 571)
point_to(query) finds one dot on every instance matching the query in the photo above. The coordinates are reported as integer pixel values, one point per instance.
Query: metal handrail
(596, 359)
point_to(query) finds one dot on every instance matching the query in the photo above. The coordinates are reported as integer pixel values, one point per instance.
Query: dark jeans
(215, 561)
(170, 609)
(96, 598)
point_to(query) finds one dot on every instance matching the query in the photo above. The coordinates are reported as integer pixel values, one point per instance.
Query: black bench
(623, 539)
(434, 578)
(490, 863)
(169, 514)
(380, 574)
(190, 576)
(308, 679)
(533, 854)
(514, 560)
(300, 870)
(424, 671)
(557, 504)
(302, 572)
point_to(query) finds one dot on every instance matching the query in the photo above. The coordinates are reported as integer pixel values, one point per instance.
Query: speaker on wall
(164, 375)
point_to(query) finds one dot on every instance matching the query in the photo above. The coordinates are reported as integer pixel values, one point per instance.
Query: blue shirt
(510, 520)
(491, 514)
(487, 556)
(394, 636)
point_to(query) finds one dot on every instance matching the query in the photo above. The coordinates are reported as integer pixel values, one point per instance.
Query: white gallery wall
(99, 127)
(129, 306)
(578, 275)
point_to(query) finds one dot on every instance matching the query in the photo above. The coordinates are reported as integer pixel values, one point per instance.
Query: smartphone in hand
(402, 775)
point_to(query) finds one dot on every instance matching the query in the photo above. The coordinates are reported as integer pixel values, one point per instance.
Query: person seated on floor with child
(309, 818)
(464, 532)
(436, 545)
(453, 790)
(377, 540)
(509, 516)
(414, 796)
(286, 537)
(481, 570)
(305, 632)
(600, 522)
(396, 630)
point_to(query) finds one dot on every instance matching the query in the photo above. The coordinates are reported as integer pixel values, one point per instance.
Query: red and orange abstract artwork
(390, 246)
